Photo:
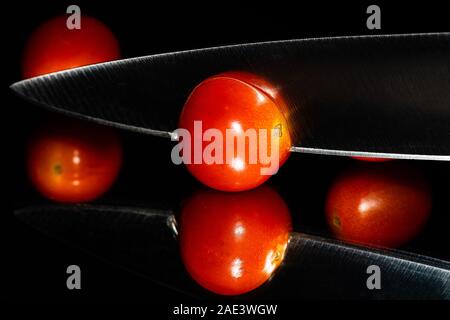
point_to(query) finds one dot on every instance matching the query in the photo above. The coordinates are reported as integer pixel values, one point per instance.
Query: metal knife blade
(314, 267)
(140, 240)
(340, 271)
(382, 95)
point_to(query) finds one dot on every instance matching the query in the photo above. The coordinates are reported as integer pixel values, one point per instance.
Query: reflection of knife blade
(341, 271)
(368, 94)
(140, 240)
(143, 241)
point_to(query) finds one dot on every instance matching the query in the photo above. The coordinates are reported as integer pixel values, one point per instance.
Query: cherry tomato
(237, 101)
(372, 159)
(231, 243)
(53, 47)
(73, 161)
(379, 204)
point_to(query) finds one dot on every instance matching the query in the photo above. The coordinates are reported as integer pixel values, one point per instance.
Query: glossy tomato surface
(53, 47)
(384, 204)
(72, 161)
(236, 101)
(231, 243)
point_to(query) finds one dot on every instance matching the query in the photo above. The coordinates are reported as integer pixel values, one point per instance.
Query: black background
(34, 265)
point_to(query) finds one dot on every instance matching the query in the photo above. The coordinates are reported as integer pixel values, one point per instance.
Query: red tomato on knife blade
(248, 107)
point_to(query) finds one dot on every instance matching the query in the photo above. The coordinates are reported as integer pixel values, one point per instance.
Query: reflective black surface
(145, 241)
(134, 226)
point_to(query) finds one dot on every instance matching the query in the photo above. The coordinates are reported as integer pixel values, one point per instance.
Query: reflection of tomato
(74, 161)
(53, 47)
(232, 242)
(236, 101)
(380, 204)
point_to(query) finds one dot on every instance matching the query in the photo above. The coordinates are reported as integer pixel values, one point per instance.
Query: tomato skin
(383, 204)
(368, 159)
(53, 47)
(258, 82)
(222, 101)
(73, 161)
(231, 243)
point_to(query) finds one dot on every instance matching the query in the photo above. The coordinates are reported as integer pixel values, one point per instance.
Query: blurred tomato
(72, 161)
(383, 204)
(372, 159)
(53, 47)
(231, 243)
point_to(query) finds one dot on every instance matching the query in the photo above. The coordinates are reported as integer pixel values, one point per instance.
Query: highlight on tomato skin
(231, 243)
(236, 101)
(73, 161)
(384, 204)
(53, 47)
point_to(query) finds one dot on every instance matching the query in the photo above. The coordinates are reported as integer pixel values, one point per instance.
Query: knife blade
(342, 270)
(144, 241)
(140, 240)
(373, 96)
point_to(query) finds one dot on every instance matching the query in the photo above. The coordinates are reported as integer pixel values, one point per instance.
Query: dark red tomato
(379, 204)
(231, 243)
(237, 101)
(53, 47)
(74, 161)
(372, 159)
